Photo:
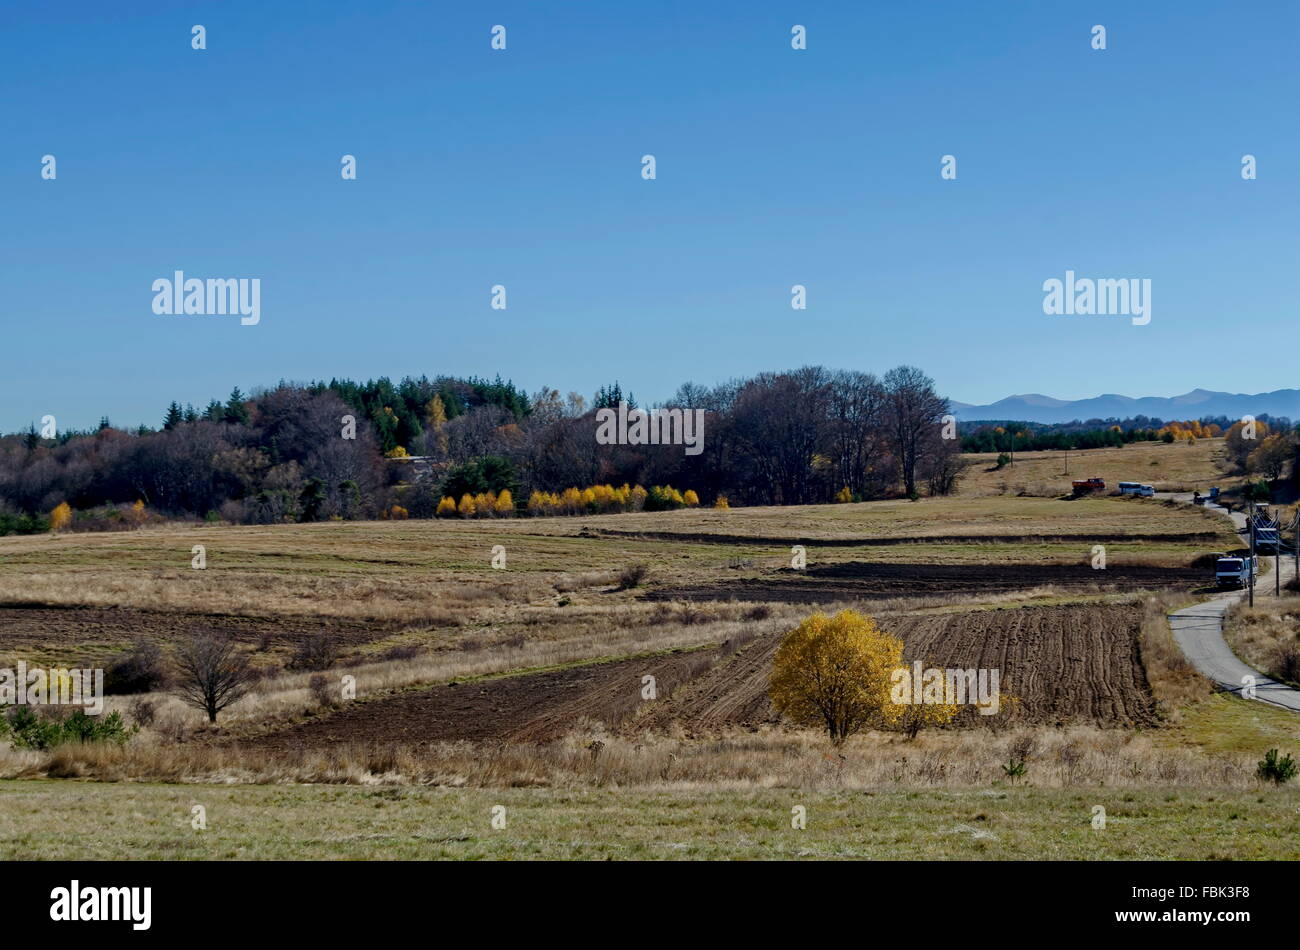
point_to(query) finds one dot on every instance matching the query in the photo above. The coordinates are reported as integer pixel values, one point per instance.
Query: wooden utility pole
(1295, 546)
(1250, 523)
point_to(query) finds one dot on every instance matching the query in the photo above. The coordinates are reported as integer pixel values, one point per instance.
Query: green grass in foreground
(53, 819)
(1230, 724)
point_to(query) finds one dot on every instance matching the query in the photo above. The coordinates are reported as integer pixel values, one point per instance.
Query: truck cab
(1234, 572)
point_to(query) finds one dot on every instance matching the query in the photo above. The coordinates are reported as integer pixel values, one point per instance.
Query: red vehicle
(1089, 485)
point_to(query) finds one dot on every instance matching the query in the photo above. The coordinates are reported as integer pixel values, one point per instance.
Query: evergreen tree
(236, 412)
(174, 416)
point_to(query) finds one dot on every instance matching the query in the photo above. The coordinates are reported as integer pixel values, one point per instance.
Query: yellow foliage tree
(844, 496)
(435, 417)
(397, 452)
(835, 672)
(446, 507)
(61, 516)
(691, 499)
(466, 507)
(721, 503)
(505, 505)
(398, 513)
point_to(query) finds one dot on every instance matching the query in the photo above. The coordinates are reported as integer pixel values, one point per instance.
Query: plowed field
(1062, 663)
(861, 580)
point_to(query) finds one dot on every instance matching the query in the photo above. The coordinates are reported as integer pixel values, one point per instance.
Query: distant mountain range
(1193, 405)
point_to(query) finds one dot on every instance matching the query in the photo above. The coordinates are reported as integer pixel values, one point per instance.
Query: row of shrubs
(593, 500)
(27, 730)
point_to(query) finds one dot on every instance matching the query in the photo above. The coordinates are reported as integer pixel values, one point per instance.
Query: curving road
(1199, 632)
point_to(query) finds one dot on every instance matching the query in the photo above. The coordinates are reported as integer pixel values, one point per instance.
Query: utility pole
(1295, 545)
(1250, 523)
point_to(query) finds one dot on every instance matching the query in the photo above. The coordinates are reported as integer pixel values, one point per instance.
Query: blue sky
(775, 167)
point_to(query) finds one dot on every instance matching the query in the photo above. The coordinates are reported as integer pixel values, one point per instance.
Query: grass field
(521, 687)
(1179, 466)
(61, 820)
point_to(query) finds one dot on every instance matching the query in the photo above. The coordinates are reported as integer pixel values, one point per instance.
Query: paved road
(1199, 632)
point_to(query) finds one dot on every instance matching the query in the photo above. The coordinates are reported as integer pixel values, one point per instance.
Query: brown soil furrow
(871, 581)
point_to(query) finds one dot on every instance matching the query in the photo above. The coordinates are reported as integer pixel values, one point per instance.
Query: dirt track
(860, 580)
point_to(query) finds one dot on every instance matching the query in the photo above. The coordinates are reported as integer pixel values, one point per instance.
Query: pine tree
(236, 412)
(174, 416)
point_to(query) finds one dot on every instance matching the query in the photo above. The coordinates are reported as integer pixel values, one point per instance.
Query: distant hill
(1034, 407)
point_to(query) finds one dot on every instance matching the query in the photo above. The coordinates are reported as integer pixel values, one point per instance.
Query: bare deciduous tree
(914, 409)
(213, 674)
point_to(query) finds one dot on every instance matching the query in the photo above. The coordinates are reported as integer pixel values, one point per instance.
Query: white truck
(1268, 533)
(1235, 571)
(1136, 488)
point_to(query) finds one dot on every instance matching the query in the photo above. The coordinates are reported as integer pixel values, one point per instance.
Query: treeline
(1006, 435)
(1026, 437)
(342, 449)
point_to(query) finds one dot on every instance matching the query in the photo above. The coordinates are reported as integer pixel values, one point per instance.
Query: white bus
(1129, 488)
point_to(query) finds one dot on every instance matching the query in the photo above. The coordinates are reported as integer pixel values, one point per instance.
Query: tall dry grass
(1173, 679)
(591, 757)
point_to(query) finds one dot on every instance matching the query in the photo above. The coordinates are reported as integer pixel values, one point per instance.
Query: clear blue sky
(522, 167)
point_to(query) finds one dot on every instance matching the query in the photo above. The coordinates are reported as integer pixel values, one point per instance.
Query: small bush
(143, 712)
(320, 689)
(140, 671)
(1015, 768)
(314, 653)
(1277, 770)
(632, 576)
(30, 731)
(1287, 664)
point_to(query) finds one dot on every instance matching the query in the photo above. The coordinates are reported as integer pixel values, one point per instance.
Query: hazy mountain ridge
(1034, 407)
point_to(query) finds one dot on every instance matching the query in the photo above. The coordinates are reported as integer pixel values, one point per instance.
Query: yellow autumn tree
(691, 499)
(505, 505)
(61, 516)
(844, 496)
(836, 672)
(721, 503)
(466, 507)
(446, 507)
(435, 417)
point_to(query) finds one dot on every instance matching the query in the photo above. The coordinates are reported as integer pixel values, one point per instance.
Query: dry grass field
(1180, 466)
(525, 683)
(1267, 636)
